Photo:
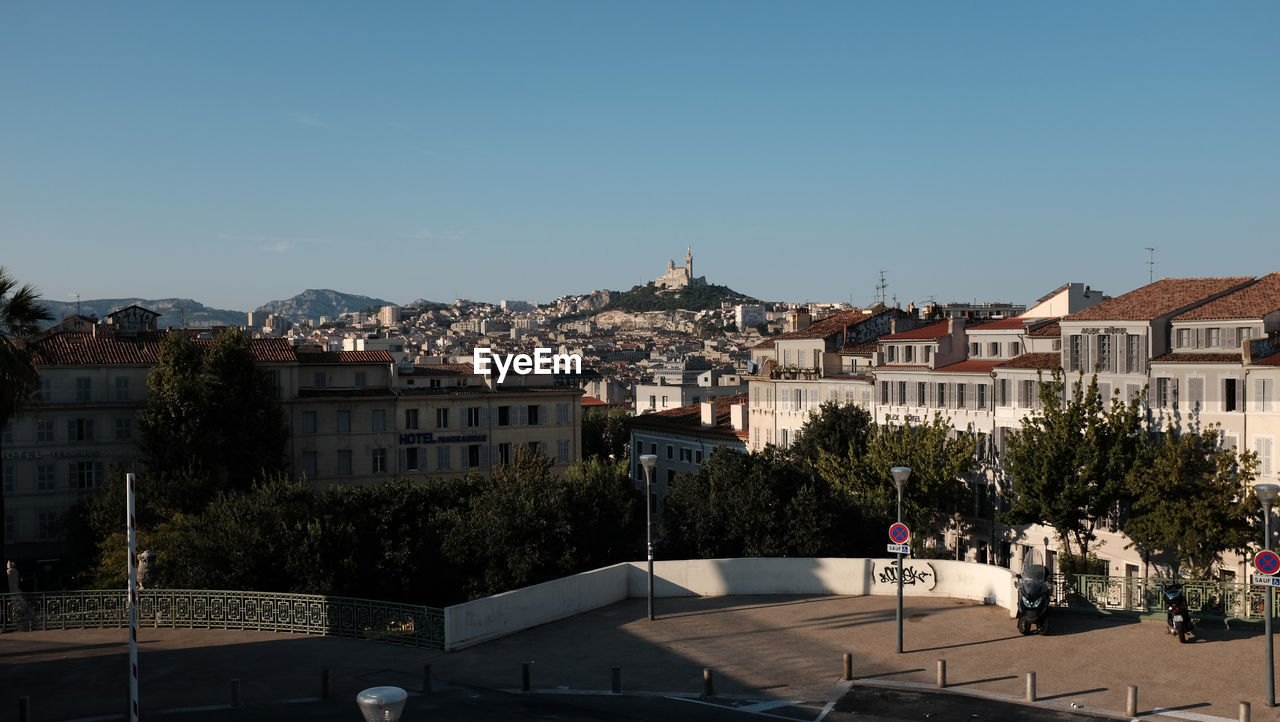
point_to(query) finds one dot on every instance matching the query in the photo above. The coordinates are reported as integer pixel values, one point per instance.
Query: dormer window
(907, 353)
(928, 352)
(892, 354)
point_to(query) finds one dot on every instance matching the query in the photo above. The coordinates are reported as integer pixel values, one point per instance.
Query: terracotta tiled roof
(688, 419)
(592, 401)
(866, 348)
(932, 331)
(1049, 330)
(1016, 323)
(344, 357)
(970, 366)
(1198, 358)
(83, 349)
(1158, 299)
(274, 350)
(1253, 301)
(1039, 361)
(822, 328)
(441, 370)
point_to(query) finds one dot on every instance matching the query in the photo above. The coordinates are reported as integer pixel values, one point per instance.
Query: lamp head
(648, 461)
(900, 476)
(1266, 493)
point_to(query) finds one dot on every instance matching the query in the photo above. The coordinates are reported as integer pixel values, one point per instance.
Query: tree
(1069, 460)
(20, 316)
(939, 461)
(835, 428)
(210, 422)
(606, 433)
(1191, 499)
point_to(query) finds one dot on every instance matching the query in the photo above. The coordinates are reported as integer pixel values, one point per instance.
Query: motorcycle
(1178, 616)
(1033, 600)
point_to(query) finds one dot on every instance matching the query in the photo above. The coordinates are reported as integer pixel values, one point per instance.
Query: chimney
(799, 319)
(738, 416)
(708, 413)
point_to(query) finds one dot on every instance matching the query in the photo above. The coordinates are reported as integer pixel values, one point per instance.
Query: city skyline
(237, 154)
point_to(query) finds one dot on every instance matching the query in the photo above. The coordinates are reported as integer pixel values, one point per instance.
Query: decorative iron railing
(212, 609)
(1207, 597)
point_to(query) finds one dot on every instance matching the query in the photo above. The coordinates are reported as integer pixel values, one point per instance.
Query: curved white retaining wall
(502, 614)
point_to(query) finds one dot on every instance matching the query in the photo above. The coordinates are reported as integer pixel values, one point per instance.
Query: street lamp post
(900, 476)
(648, 461)
(1267, 495)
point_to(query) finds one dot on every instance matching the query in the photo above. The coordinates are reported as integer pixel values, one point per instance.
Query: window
(993, 349)
(310, 462)
(344, 422)
(1184, 338)
(652, 400)
(920, 393)
(46, 477)
(504, 454)
(44, 524)
(44, 430)
(670, 451)
(1262, 393)
(1073, 360)
(1002, 393)
(411, 418)
(1262, 445)
(1229, 394)
(320, 380)
(928, 353)
(84, 389)
(7, 434)
(884, 392)
(10, 528)
(378, 462)
(1131, 350)
(1213, 338)
(960, 393)
(697, 456)
(8, 479)
(473, 456)
(1028, 399)
(891, 354)
(308, 422)
(982, 396)
(1195, 392)
(122, 388)
(902, 393)
(124, 429)
(362, 379)
(86, 475)
(344, 462)
(562, 413)
(664, 401)
(907, 353)
(686, 455)
(411, 458)
(504, 416)
(442, 418)
(562, 451)
(46, 390)
(378, 420)
(786, 438)
(942, 395)
(1015, 348)
(473, 417)
(653, 449)
(443, 462)
(1163, 397)
(975, 349)
(1104, 352)
(80, 430)
(535, 415)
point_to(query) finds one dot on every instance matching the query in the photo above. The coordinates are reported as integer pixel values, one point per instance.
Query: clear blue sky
(240, 152)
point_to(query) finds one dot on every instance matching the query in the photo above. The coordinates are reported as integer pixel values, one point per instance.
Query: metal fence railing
(408, 624)
(1205, 597)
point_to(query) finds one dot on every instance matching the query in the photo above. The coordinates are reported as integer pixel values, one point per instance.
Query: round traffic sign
(899, 534)
(1267, 561)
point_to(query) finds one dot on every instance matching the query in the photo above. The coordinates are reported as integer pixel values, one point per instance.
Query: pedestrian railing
(1204, 597)
(408, 624)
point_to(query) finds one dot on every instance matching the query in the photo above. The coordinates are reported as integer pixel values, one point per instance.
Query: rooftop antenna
(77, 297)
(1151, 264)
(880, 288)
(182, 314)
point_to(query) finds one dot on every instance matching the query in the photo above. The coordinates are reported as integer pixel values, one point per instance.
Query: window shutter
(484, 416)
(522, 415)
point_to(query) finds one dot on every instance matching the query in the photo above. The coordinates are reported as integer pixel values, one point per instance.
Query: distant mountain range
(309, 305)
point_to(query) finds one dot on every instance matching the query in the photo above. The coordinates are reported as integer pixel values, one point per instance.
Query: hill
(699, 298)
(174, 312)
(313, 303)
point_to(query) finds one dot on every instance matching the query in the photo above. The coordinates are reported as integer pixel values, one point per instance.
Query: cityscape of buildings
(371, 397)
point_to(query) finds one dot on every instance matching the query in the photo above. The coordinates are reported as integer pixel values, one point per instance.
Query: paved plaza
(763, 650)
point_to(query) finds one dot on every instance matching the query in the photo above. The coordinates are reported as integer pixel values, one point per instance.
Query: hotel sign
(428, 437)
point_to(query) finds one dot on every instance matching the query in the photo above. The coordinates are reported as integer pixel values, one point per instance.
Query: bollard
(615, 682)
(1131, 703)
(942, 673)
(324, 684)
(708, 684)
(1244, 712)
(24, 709)
(235, 693)
(1031, 686)
(848, 666)
(426, 679)
(524, 676)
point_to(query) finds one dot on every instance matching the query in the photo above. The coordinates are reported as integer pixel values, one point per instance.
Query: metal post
(848, 666)
(615, 680)
(524, 676)
(1244, 712)
(1131, 702)
(1031, 686)
(131, 520)
(24, 709)
(426, 679)
(324, 684)
(942, 674)
(1267, 611)
(648, 530)
(708, 683)
(235, 693)
(899, 613)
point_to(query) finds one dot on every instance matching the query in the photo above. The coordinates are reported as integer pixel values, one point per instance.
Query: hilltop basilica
(676, 278)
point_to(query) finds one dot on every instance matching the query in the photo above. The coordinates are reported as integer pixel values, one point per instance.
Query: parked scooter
(1033, 599)
(1178, 616)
